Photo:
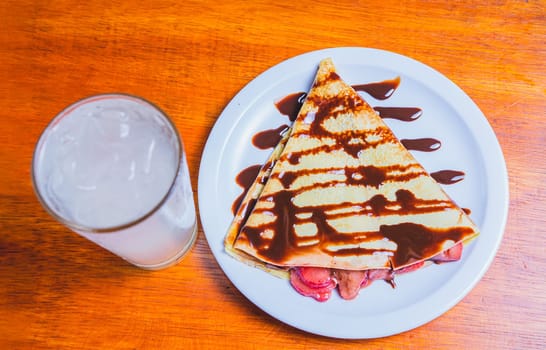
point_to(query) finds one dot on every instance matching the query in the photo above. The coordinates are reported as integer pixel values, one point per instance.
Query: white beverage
(113, 169)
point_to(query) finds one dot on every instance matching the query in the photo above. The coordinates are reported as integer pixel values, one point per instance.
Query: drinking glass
(112, 168)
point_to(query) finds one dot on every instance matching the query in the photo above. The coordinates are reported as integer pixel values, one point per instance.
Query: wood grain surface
(59, 291)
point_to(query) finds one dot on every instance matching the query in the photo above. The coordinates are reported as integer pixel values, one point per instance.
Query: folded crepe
(341, 192)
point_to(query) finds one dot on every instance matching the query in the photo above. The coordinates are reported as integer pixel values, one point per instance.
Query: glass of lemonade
(113, 169)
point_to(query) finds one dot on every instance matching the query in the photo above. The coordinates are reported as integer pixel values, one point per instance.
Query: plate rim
(497, 189)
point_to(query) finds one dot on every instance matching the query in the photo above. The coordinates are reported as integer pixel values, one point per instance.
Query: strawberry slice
(321, 294)
(452, 254)
(318, 282)
(410, 268)
(314, 277)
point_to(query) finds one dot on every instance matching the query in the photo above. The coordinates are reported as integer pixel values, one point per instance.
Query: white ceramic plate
(468, 145)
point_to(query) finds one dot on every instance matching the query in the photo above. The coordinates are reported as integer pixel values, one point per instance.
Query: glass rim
(65, 112)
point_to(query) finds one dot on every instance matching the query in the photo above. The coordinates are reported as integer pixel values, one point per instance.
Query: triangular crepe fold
(340, 191)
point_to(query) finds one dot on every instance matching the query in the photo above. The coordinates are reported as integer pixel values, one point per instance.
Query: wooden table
(58, 290)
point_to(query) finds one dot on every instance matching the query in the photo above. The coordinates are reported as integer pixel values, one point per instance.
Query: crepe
(341, 192)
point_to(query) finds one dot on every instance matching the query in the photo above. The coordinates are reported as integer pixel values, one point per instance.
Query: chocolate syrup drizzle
(423, 145)
(245, 179)
(405, 114)
(413, 240)
(290, 106)
(448, 177)
(381, 90)
(269, 138)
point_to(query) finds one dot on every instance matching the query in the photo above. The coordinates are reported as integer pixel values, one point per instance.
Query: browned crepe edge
(239, 219)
